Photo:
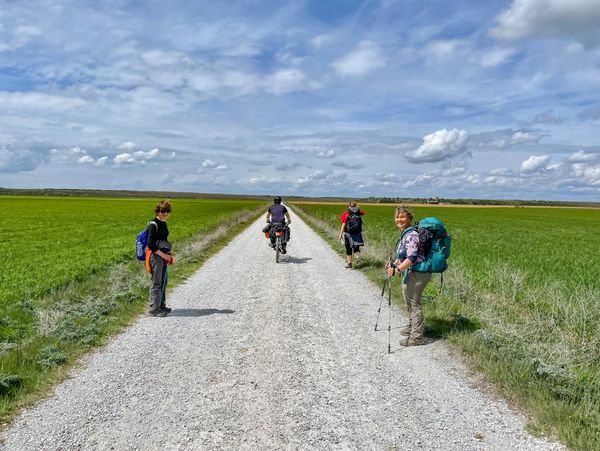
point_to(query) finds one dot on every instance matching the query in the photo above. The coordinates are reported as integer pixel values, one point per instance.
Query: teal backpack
(435, 244)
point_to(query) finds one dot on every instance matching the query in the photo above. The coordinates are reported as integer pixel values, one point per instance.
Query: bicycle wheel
(277, 249)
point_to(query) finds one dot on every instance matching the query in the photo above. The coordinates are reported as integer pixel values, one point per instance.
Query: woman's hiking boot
(411, 341)
(405, 331)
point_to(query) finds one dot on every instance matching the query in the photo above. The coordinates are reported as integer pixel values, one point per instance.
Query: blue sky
(341, 97)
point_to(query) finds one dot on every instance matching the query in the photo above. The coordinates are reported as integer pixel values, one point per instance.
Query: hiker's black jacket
(155, 234)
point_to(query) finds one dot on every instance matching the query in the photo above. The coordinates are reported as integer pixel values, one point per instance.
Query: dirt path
(262, 355)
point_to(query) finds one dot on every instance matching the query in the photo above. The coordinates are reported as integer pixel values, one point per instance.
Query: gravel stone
(262, 355)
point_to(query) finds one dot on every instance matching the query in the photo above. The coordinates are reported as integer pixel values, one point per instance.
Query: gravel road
(259, 355)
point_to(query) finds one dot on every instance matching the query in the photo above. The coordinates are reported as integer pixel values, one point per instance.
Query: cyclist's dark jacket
(155, 234)
(278, 212)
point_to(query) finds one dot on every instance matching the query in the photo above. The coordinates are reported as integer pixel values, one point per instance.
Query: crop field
(70, 277)
(521, 298)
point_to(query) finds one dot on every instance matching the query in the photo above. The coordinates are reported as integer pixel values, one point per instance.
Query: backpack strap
(408, 229)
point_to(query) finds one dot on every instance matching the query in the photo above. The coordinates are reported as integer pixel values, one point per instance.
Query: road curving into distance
(260, 355)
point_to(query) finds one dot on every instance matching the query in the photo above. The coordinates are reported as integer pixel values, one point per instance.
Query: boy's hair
(402, 210)
(162, 205)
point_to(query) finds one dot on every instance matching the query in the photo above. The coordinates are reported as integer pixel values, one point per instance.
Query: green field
(521, 298)
(70, 277)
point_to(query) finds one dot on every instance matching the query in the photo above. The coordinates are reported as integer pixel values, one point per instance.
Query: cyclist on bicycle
(277, 214)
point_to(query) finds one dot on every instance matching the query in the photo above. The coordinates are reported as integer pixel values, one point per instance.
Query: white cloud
(577, 19)
(582, 157)
(523, 137)
(365, 58)
(496, 56)
(127, 146)
(319, 41)
(589, 173)
(139, 157)
(101, 161)
(21, 155)
(444, 48)
(285, 81)
(209, 164)
(440, 145)
(535, 163)
(329, 153)
(86, 159)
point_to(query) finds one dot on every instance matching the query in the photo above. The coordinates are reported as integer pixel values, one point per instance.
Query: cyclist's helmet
(277, 200)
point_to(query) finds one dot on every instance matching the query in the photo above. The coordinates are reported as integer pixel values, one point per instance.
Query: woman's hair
(402, 210)
(162, 205)
(352, 204)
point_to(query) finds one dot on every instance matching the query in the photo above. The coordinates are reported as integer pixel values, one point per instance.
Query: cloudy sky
(493, 99)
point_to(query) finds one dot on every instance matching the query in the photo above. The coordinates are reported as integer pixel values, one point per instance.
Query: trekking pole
(389, 281)
(380, 301)
(385, 280)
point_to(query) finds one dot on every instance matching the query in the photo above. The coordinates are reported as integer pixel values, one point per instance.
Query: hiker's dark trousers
(158, 288)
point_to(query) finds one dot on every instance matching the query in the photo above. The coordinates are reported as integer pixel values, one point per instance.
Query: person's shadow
(190, 312)
(291, 259)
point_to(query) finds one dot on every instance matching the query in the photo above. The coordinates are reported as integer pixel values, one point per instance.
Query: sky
(354, 98)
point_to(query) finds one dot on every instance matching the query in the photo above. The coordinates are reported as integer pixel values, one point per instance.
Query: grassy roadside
(86, 313)
(516, 336)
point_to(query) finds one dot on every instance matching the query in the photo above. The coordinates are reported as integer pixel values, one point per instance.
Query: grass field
(522, 299)
(70, 277)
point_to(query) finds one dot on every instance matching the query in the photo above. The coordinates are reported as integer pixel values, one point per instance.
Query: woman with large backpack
(351, 230)
(409, 253)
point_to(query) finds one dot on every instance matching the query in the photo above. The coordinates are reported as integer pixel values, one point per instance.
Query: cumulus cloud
(139, 157)
(583, 157)
(365, 58)
(129, 146)
(86, 159)
(502, 139)
(210, 164)
(330, 153)
(439, 146)
(590, 174)
(21, 155)
(524, 137)
(535, 163)
(101, 161)
(576, 19)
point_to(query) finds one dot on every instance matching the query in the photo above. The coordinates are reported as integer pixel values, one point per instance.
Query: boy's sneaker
(166, 309)
(157, 313)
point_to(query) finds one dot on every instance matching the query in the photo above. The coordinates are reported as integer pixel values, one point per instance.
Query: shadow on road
(290, 259)
(198, 312)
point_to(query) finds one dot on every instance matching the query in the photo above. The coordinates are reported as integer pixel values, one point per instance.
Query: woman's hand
(390, 271)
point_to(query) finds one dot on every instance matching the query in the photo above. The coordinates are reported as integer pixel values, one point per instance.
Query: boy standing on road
(159, 256)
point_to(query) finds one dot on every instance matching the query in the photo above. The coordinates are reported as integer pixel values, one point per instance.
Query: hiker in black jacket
(161, 256)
